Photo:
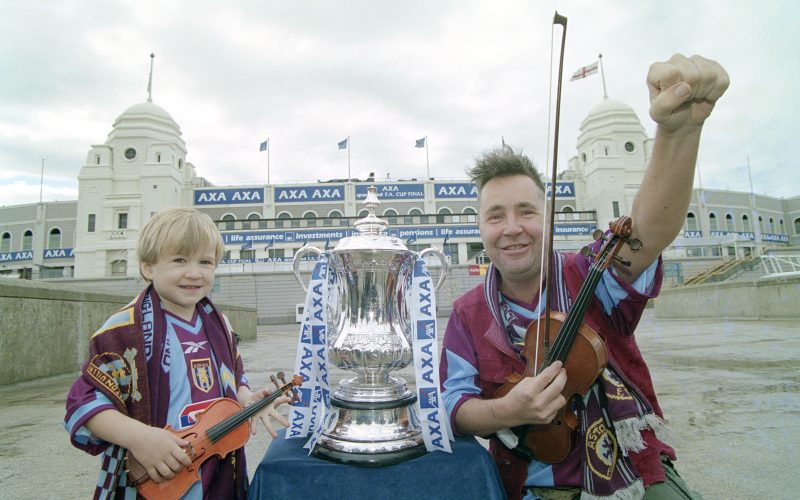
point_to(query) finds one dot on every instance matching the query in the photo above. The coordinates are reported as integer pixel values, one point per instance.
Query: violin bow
(561, 20)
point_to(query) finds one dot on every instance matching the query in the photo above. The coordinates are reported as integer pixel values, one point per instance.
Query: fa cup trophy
(369, 328)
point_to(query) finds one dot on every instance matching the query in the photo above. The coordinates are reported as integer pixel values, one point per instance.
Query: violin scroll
(287, 388)
(620, 233)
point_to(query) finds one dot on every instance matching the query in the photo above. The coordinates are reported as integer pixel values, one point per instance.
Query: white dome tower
(140, 170)
(613, 150)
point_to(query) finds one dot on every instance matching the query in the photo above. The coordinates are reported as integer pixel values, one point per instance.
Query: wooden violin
(577, 346)
(220, 429)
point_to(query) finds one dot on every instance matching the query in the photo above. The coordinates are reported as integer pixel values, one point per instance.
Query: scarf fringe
(633, 492)
(629, 432)
(661, 428)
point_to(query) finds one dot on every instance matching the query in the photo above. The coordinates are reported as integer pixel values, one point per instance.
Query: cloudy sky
(307, 74)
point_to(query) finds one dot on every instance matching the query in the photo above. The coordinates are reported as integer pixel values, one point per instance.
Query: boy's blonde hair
(178, 230)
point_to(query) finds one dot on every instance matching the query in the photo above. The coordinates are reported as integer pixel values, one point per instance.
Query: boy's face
(182, 280)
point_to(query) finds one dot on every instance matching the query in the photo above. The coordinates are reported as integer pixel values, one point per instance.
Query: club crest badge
(117, 373)
(202, 374)
(601, 449)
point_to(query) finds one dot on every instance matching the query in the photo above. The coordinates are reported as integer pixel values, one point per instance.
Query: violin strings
(221, 429)
(562, 344)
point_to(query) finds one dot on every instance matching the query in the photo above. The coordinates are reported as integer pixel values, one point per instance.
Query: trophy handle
(438, 253)
(298, 258)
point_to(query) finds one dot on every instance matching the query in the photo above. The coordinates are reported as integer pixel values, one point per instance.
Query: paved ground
(729, 390)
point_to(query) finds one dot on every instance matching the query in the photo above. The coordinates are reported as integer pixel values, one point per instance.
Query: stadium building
(142, 168)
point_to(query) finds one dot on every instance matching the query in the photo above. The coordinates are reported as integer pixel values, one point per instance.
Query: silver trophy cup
(369, 334)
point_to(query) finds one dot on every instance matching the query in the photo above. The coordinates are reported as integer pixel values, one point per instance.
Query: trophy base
(369, 459)
(372, 434)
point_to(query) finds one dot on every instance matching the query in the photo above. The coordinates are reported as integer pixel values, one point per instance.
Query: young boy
(158, 361)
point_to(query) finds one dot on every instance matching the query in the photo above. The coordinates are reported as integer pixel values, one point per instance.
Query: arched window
(691, 222)
(251, 217)
(415, 211)
(228, 219)
(772, 225)
(782, 227)
(5, 243)
(283, 216)
(334, 218)
(712, 222)
(27, 240)
(54, 239)
(363, 213)
(730, 224)
(311, 218)
(441, 215)
(470, 210)
(391, 215)
(797, 226)
(746, 223)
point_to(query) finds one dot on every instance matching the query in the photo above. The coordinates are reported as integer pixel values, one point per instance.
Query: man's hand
(683, 91)
(534, 400)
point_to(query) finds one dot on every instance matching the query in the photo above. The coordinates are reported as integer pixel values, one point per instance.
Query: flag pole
(268, 160)
(41, 182)
(603, 74)
(427, 162)
(150, 80)
(348, 159)
(756, 224)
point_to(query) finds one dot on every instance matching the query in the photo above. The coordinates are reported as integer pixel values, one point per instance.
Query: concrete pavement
(729, 390)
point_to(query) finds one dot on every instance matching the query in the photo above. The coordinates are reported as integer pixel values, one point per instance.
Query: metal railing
(780, 264)
(725, 271)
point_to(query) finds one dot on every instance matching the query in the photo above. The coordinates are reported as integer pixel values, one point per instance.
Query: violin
(577, 346)
(220, 429)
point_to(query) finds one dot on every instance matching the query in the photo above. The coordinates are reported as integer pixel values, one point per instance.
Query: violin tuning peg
(275, 381)
(635, 244)
(597, 234)
(587, 252)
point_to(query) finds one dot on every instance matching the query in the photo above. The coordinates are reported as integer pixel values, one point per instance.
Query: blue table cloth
(288, 472)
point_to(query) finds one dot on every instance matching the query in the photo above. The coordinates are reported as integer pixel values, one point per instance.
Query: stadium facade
(142, 168)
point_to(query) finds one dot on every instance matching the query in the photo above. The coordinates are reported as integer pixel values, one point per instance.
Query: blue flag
(420, 143)
(411, 239)
(270, 244)
(327, 243)
(343, 144)
(446, 237)
(246, 245)
(264, 145)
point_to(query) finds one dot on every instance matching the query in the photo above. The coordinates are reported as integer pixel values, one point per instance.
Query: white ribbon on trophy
(311, 362)
(433, 417)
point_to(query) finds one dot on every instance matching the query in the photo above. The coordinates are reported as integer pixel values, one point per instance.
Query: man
(618, 454)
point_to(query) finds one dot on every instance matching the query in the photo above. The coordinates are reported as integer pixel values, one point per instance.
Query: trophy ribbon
(432, 415)
(311, 362)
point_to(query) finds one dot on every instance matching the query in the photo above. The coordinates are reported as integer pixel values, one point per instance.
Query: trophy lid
(371, 230)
